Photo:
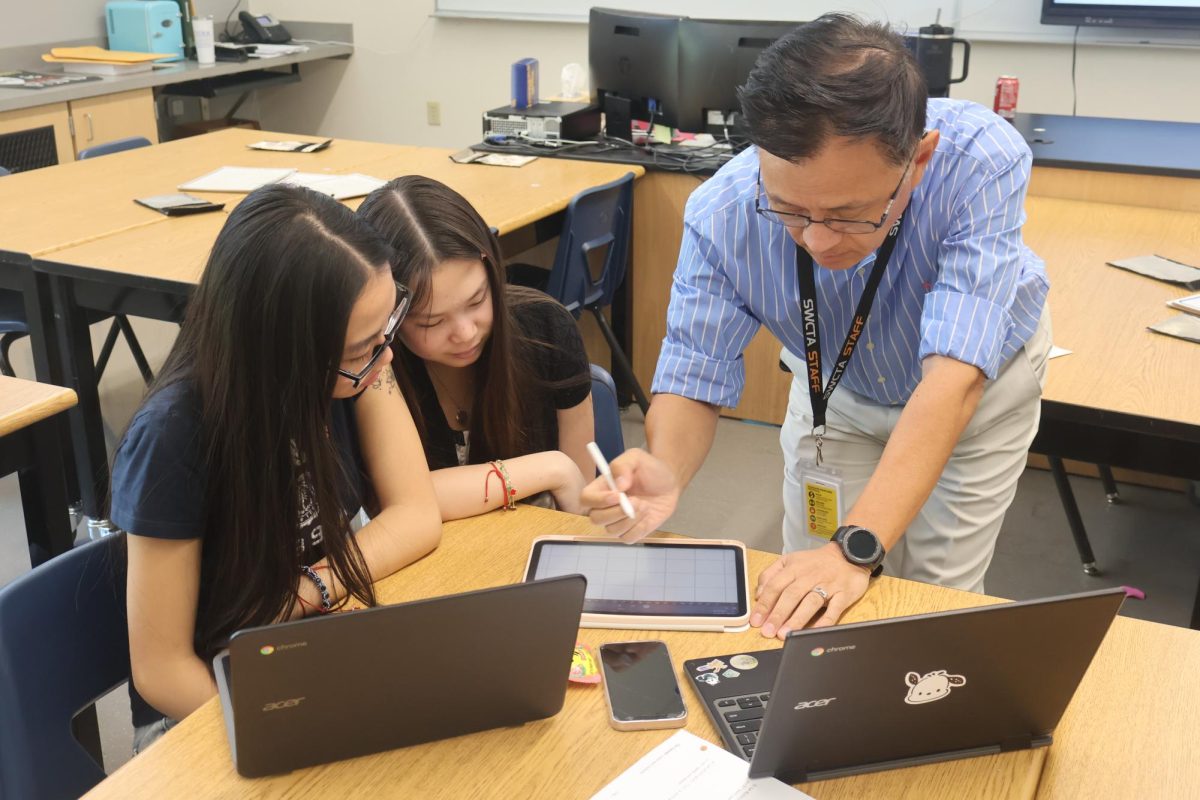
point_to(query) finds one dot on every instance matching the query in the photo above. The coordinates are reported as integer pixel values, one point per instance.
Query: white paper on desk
(687, 767)
(339, 187)
(235, 179)
(273, 50)
(1056, 351)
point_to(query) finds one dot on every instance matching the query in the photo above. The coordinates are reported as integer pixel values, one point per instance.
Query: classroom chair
(598, 220)
(115, 146)
(63, 645)
(607, 414)
(4, 172)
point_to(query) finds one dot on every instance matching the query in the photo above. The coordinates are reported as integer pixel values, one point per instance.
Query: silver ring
(819, 591)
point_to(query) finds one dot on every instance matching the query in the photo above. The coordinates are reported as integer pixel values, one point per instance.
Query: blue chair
(63, 645)
(596, 219)
(607, 414)
(13, 324)
(115, 146)
(4, 172)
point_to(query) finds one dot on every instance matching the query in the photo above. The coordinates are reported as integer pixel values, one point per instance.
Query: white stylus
(602, 465)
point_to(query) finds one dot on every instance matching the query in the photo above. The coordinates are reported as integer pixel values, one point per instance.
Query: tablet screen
(648, 578)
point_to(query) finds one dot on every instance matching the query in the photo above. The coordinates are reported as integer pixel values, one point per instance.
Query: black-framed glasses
(403, 300)
(790, 219)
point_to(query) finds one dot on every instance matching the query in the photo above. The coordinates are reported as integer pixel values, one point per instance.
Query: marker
(602, 465)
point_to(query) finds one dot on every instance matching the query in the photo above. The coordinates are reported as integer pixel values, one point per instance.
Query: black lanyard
(812, 329)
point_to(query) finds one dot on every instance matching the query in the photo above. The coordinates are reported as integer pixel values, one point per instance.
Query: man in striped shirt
(877, 234)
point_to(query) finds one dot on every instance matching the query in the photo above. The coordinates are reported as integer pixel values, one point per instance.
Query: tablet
(656, 584)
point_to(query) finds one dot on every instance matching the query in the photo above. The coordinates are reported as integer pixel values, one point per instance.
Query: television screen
(1122, 13)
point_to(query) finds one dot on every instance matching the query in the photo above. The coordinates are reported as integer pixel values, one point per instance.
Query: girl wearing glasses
(500, 386)
(274, 420)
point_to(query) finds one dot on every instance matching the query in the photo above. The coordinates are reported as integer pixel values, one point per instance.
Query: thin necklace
(462, 415)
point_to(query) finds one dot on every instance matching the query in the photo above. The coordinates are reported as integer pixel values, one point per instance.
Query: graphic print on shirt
(310, 536)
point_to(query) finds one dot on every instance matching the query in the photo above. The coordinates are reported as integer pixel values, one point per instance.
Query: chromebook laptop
(343, 685)
(905, 691)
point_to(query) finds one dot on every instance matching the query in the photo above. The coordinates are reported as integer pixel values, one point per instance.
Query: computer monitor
(715, 58)
(634, 60)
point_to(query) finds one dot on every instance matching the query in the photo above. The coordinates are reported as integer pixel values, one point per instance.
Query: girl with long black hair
(274, 420)
(496, 376)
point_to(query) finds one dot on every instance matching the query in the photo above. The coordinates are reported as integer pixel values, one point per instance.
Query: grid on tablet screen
(618, 572)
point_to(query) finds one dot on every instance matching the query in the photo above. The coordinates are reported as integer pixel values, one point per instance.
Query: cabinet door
(54, 115)
(96, 120)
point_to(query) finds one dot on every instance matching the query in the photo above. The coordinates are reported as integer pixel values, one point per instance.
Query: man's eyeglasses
(403, 299)
(790, 219)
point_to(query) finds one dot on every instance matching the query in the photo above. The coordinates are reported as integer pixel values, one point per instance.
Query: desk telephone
(263, 28)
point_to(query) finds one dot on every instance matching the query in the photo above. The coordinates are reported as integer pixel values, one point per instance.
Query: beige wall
(404, 58)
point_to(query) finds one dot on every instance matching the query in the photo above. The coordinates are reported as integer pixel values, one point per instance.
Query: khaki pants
(951, 541)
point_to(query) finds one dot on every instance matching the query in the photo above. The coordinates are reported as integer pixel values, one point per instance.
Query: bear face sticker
(931, 686)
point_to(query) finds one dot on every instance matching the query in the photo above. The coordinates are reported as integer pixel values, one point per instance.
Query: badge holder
(822, 487)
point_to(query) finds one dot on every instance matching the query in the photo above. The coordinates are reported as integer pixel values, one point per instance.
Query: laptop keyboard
(743, 716)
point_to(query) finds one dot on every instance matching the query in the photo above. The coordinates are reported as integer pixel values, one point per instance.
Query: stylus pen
(602, 465)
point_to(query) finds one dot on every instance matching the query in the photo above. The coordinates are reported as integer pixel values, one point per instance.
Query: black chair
(607, 414)
(597, 220)
(63, 645)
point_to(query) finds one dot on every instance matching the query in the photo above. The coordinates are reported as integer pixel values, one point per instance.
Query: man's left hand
(787, 600)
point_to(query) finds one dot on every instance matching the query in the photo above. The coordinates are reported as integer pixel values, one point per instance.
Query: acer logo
(803, 704)
(290, 703)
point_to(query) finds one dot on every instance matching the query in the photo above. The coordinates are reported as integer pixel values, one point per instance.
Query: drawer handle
(91, 132)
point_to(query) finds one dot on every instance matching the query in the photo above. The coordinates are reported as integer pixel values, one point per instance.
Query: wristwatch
(861, 547)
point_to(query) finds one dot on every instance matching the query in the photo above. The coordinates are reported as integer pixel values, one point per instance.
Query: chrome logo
(816, 651)
(267, 649)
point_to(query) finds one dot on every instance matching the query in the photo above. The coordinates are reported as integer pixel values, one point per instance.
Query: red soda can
(1006, 96)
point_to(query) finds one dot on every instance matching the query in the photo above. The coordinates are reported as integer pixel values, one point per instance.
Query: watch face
(862, 545)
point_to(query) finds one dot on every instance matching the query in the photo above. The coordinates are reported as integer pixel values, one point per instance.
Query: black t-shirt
(555, 354)
(159, 481)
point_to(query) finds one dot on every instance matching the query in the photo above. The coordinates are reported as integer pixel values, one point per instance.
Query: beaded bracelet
(311, 574)
(510, 494)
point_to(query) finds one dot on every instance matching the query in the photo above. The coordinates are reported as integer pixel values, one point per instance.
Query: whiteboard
(977, 20)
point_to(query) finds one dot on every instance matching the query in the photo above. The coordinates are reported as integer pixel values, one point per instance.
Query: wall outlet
(433, 112)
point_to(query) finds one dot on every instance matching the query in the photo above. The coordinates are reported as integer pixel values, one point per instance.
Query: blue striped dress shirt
(961, 282)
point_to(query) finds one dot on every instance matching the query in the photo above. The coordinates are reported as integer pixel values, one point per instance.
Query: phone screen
(640, 681)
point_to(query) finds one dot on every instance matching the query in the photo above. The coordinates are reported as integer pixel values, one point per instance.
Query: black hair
(427, 223)
(835, 76)
(263, 337)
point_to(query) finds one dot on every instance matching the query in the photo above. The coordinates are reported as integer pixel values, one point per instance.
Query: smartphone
(640, 686)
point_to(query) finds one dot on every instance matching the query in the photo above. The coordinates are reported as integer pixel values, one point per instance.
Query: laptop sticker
(931, 686)
(730, 673)
(709, 677)
(716, 665)
(744, 662)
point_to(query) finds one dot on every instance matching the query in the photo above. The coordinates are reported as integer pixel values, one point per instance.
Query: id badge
(822, 487)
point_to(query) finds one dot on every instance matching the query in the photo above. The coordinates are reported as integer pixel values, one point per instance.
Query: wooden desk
(571, 755)
(30, 446)
(48, 209)
(128, 259)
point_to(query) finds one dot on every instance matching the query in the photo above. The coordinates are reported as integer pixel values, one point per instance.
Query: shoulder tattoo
(386, 381)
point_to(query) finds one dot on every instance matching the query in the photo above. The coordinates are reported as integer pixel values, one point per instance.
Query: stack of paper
(247, 179)
(235, 179)
(339, 187)
(93, 60)
(273, 50)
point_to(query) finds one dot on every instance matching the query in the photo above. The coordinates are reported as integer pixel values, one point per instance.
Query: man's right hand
(652, 487)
